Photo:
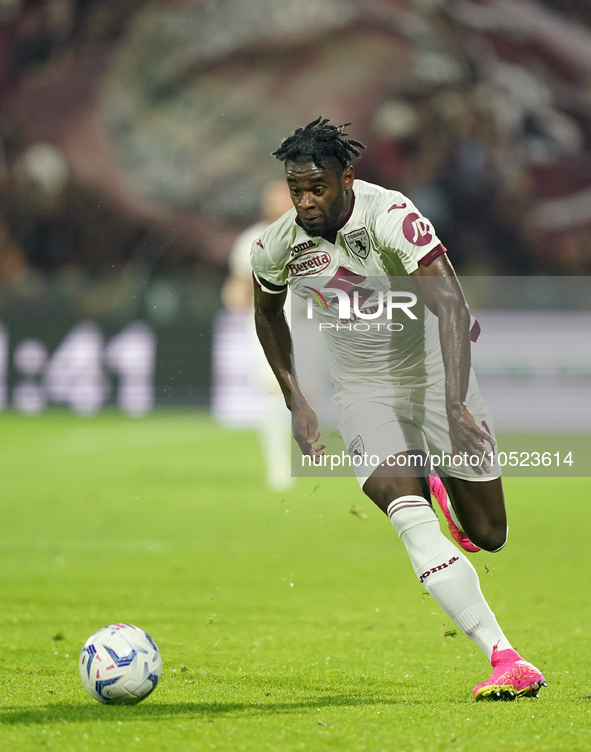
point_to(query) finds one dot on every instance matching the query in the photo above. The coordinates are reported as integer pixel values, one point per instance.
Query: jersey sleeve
(265, 259)
(402, 230)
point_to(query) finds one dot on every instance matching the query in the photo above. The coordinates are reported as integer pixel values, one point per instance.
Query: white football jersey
(385, 338)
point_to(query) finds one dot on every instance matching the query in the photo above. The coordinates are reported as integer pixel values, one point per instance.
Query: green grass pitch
(286, 621)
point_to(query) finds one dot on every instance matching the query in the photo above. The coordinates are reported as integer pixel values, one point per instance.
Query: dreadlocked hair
(320, 142)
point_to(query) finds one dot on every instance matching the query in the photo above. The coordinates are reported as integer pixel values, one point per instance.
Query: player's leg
(455, 526)
(394, 479)
(480, 510)
(399, 487)
(450, 579)
(471, 499)
(441, 568)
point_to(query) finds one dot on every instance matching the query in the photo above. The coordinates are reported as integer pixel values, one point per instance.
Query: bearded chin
(331, 221)
(314, 232)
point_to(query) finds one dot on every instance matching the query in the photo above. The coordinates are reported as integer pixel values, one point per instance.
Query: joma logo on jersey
(310, 262)
(350, 306)
(302, 247)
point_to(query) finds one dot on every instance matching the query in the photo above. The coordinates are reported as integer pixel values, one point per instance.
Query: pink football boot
(440, 494)
(511, 677)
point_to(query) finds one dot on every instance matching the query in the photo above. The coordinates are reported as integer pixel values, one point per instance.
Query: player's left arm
(443, 296)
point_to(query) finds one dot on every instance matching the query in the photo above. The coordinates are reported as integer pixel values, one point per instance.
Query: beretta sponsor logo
(310, 262)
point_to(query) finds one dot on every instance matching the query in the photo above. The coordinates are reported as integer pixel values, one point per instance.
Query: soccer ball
(120, 664)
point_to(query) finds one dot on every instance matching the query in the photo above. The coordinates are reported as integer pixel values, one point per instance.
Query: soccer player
(404, 388)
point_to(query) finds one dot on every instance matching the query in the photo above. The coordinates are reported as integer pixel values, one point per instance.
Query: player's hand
(469, 440)
(305, 431)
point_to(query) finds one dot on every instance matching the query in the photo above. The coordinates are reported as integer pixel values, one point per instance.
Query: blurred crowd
(35, 32)
(61, 236)
(490, 137)
(51, 223)
(447, 153)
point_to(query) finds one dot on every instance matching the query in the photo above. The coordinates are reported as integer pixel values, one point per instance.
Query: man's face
(319, 195)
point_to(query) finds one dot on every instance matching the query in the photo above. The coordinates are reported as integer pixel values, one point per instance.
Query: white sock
(445, 572)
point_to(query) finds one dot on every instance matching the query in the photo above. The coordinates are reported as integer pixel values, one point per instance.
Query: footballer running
(400, 397)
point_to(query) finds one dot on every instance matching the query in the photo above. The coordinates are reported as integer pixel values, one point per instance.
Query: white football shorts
(379, 422)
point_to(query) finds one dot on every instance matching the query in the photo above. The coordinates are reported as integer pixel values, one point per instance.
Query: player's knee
(493, 540)
(382, 491)
(380, 494)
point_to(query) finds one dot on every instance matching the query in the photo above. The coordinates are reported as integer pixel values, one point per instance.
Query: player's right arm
(275, 338)
(410, 236)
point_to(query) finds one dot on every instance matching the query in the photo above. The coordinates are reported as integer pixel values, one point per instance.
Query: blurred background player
(237, 290)
(265, 406)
